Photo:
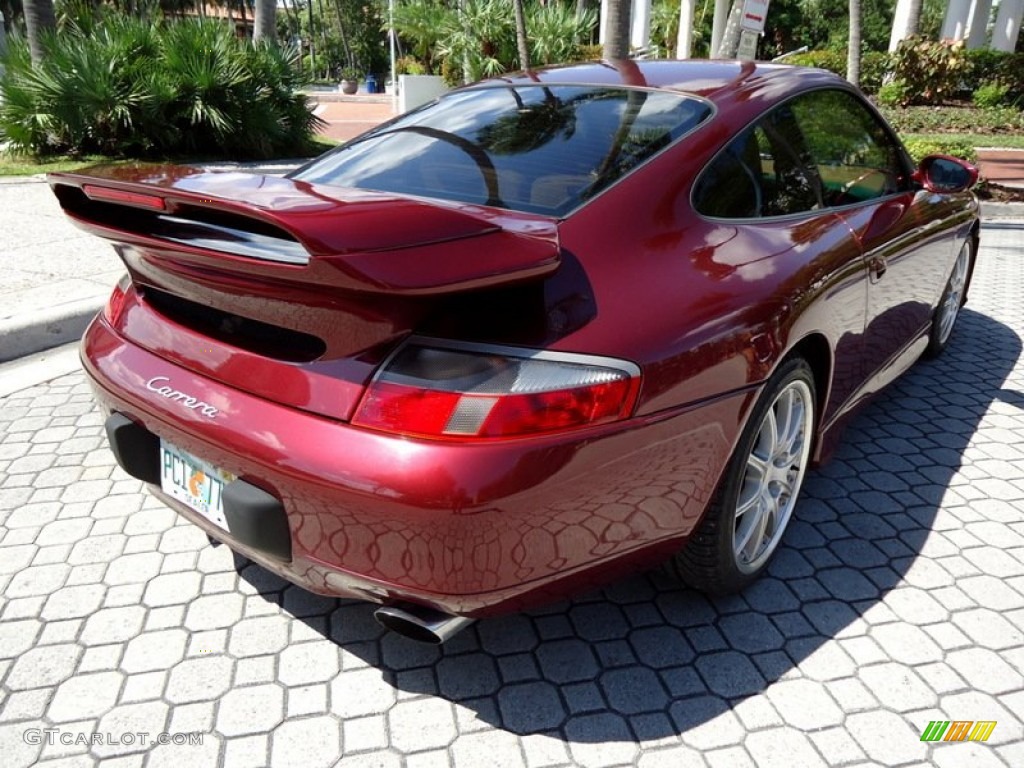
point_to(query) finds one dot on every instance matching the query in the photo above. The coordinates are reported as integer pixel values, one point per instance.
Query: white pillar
(602, 20)
(640, 34)
(900, 24)
(954, 27)
(1004, 34)
(721, 18)
(684, 42)
(980, 14)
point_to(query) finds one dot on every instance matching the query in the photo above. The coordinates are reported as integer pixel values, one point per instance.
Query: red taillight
(473, 392)
(137, 199)
(115, 304)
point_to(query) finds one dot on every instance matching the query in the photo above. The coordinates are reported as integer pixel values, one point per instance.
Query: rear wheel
(746, 520)
(952, 299)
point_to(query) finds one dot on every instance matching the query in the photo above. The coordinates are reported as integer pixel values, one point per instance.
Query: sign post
(752, 18)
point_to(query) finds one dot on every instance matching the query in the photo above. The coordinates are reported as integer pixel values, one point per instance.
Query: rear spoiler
(272, 226)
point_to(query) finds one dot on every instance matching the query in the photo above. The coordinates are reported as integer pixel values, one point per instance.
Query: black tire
(768, 475)
(953, 297)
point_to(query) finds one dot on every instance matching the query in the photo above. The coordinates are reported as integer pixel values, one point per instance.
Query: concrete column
(978, 36)
(1007, 28)
(640, 34)
(900, 24)
(721, 18)
(684, 42)
(958, 13)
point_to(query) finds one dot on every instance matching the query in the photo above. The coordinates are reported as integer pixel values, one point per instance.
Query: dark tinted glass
(544, 149)
(854, 156)
(758, 174)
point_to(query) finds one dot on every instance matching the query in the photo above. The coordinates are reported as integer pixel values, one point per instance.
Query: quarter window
(758, 174)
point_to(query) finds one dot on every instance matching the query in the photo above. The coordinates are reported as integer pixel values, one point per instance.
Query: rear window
(536, 148)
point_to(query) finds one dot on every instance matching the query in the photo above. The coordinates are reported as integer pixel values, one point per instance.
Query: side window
(757, 175)
(853, 155)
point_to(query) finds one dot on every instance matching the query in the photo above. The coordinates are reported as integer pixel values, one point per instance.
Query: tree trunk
(853, 47)
(521, 39)
(265, 27)
(914, 17)
(345, 47)
(616, 31)
(39, 18)
(245, 18)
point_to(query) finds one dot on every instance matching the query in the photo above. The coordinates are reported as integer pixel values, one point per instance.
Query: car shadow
(646, 658)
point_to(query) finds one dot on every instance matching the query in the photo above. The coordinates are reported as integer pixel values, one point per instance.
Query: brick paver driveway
(897, 600)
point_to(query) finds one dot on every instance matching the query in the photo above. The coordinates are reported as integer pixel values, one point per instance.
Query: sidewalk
(57, 277)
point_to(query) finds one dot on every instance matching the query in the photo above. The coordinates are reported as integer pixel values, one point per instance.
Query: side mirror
(945, 174)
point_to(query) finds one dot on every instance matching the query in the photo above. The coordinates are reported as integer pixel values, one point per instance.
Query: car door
(866, 179)
(760, 190)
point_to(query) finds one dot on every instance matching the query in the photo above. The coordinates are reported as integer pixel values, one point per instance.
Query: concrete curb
(990, 210)
(24, 335)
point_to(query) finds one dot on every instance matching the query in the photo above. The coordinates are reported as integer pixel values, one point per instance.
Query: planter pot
(349, 86)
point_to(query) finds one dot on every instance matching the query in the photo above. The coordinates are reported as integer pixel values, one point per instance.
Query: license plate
(194, 482)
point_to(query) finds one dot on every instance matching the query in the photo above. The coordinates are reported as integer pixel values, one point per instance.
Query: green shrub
(921, 148)
(990, 95)
(894, 94)
(833, 61)
(932, 70)
(132, 88)
(995, 120)
(873, 65)
(988, 66)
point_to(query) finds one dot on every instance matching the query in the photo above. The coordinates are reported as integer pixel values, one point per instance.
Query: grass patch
(26, 165)
(999, 140)
(18, 165)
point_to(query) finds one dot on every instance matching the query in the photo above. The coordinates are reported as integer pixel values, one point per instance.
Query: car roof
(714, 79)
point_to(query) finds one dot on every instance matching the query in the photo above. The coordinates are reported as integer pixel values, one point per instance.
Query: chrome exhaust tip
(417, 622)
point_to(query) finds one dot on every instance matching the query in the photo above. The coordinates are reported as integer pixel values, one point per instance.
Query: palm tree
(521, 44)
(265, 25)
(39, 19)
(853, 46)
(616, 30)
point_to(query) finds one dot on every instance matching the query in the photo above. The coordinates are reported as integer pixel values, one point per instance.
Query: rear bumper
(468, 528)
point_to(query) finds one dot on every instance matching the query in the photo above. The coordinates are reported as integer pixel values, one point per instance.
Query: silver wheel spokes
(951, 303)
(774, 473)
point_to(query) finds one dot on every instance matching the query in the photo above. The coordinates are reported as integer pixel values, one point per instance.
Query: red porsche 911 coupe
(549, 329)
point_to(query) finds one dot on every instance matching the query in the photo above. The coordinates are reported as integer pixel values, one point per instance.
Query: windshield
(538, 148)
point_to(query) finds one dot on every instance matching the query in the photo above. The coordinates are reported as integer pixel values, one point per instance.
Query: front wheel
(747, 518)
(949, 305)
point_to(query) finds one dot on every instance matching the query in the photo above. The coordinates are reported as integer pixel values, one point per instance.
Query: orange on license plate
(196, 483)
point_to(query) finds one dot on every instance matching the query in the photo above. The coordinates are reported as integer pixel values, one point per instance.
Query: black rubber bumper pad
(255, 517)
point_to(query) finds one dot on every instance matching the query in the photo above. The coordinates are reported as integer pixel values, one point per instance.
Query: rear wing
(291, 230)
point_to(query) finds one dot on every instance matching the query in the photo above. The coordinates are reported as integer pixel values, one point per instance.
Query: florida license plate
(196, 483)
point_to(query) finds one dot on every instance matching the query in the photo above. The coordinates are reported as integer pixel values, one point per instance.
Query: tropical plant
(556, 30)
(132, 88)
(931, 70)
